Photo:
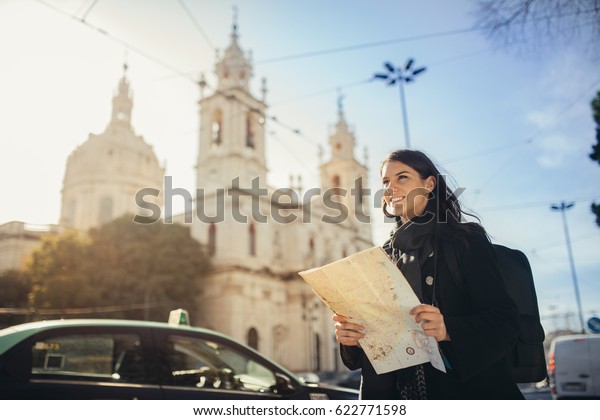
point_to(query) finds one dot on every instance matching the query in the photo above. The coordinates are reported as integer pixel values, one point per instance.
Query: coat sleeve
(487, 331)
(351, 356)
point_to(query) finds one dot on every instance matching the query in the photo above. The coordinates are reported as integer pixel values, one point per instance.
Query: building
(18, 240)
(104, 173)
(260, 237)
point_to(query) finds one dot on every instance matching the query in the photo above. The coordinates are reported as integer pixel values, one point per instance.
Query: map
(368, 288)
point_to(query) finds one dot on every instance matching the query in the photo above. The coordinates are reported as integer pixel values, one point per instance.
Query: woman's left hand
(432, 321)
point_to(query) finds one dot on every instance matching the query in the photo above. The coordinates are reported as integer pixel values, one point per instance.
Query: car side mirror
(283, 385)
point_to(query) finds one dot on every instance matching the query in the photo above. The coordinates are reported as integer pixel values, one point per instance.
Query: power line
(87, 12)
(164, 64)
(297, 56)
(196, 24)
(367, 45)
(533, 204)
(118, 40)
(529, 140)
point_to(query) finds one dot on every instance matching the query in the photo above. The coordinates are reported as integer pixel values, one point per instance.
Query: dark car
(118, 359)
(352, 380)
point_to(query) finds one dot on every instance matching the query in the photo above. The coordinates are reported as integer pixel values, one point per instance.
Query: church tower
(347, 178)
(232, 136)
(104, 173)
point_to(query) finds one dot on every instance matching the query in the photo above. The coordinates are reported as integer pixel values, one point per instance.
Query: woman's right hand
(346, 332)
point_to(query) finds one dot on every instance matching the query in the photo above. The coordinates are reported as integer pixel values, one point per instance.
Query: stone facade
(260, 237)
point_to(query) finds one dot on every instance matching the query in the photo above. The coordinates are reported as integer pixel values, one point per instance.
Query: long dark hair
(446, 205)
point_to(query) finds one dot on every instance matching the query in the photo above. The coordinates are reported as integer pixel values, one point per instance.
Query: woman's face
(405, 192)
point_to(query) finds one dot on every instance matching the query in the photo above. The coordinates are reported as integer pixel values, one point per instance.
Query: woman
(475, 326)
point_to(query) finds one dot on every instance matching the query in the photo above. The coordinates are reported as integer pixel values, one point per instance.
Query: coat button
(431, 254)
(429, 280)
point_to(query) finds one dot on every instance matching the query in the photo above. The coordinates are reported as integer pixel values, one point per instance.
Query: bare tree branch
(527, 25)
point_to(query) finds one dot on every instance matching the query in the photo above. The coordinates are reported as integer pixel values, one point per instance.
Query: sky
(514, 129)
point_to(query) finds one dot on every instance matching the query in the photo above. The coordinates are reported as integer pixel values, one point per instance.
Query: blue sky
(514, 130)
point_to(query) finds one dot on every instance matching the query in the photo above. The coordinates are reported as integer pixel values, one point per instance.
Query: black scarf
(410, 245)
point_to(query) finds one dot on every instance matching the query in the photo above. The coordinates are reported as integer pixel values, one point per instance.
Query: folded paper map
(370, 289)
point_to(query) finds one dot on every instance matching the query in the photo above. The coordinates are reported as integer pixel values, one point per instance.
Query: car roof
(16, 333)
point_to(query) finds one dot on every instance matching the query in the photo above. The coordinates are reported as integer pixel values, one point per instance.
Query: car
(352, 380)
(574, 366)
(122, 359)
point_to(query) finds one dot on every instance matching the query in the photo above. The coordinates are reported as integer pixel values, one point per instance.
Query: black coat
(482, 322)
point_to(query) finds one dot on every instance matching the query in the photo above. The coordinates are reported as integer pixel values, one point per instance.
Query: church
(258, 236)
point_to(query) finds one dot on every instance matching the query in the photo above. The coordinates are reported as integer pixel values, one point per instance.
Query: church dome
(104, 173)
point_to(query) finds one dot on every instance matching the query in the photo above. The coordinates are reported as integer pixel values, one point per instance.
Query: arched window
(212, 239)
(335, 182)
(249, 131)
(253, 338)
(106, 210)
(216, 137)
(252, 240)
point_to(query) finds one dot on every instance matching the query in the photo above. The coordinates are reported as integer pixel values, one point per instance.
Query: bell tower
(347, 176)
(232, 134)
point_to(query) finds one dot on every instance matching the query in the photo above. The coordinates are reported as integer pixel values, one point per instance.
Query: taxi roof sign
(179, 317)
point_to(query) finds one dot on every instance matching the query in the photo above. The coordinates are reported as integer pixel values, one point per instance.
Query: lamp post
(401, 75)
(563, 207)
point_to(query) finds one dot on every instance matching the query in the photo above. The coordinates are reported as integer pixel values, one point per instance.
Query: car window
(111, 357)
(200, 363)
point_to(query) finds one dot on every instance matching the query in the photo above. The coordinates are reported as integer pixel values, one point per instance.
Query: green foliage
(15, 286)
(595, 155)
(596, 211)
(58, 271)
(121, 263)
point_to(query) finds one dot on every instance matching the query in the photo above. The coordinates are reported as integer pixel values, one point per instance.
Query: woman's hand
(347, 333)
(432, 321)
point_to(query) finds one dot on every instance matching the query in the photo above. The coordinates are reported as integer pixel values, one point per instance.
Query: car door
(83, 363)
(202, 366)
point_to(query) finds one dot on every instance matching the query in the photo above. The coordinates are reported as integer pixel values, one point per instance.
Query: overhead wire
(364, 46)
(159, 61)
(117, 40)
(189, 13)
(89, 9)
(545, 203)
(186, 75)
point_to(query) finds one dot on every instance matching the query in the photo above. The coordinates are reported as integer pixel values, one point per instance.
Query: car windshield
(208, 364)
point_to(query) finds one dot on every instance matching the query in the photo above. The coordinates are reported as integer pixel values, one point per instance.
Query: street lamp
(401, 76)
(563, 207)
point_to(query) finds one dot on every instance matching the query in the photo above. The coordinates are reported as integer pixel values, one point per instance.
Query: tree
(595, 155)
(531, 23)
(59, 273)
(15, 286)
(121, 263)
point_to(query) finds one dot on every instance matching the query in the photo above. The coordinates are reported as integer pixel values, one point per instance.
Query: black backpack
(528, 360)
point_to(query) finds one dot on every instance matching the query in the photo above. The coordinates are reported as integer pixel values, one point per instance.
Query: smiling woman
(476, 328)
